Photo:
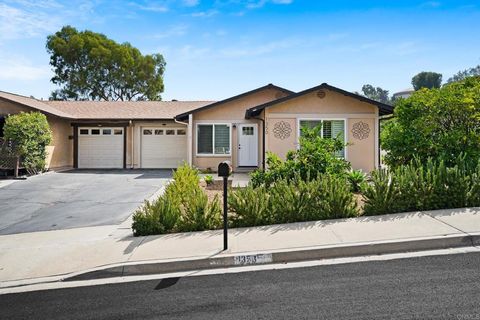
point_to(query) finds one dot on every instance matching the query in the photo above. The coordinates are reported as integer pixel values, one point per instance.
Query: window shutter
(205, 139)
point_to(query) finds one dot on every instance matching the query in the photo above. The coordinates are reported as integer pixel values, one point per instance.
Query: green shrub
(315, 156)
(336, 198)
(249, 207)
(198, 214)
(31, 134)
(438, 123)
(292, 201)
(296, 200)
(381, 194)
(418, 187)
(473, 195)
(156, 217)
(184, 185)
(208, 179)
(183, 207)
(356, 178)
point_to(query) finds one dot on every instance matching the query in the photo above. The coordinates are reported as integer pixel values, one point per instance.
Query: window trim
(89, 129)
(345, 154)
(213, 154)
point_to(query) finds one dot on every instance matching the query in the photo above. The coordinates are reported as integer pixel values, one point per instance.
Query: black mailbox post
(224, 170)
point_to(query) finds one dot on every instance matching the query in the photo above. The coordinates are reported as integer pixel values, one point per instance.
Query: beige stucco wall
(60, 151)
(361, 153)
(232, 113)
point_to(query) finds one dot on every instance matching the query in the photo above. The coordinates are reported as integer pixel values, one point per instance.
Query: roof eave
(60, 114)
(184, 116)
(383, 108)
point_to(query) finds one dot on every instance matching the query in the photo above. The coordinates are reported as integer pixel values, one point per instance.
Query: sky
(219, 48)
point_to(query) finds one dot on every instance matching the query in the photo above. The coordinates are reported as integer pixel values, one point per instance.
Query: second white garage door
(163, 147)
(100, 148)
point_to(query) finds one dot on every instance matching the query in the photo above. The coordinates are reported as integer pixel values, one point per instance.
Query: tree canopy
(427, 80)
(377, 94)
(438, 123)
(90, 66)
(461, 75)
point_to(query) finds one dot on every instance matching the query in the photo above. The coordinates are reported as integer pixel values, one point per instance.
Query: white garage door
(163, 147)
(100, 148)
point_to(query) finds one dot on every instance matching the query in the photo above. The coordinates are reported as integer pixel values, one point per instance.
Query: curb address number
(252, 259)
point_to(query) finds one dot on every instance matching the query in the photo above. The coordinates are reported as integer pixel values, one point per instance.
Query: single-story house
(241, 129)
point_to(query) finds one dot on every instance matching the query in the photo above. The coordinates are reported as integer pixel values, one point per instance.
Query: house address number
(252, 259)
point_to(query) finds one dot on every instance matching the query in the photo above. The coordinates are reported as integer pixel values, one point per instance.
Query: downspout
(132, 152)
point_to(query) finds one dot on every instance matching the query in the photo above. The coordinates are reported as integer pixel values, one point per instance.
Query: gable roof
(384, 109)
(184, 116)
(126, 110)
(105, 110)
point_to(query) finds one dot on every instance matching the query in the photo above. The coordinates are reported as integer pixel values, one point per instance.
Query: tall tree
(90, 66)
(439, 123)
(377, 94)
(427, 80)
(461, 75)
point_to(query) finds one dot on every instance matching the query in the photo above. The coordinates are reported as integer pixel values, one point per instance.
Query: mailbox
(224, 169)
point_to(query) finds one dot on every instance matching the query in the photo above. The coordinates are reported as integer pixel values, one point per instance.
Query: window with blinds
(330, 129)
(213, 139)
(222, 139)
(205, 139)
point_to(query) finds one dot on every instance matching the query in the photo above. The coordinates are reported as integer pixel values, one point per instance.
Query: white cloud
(431, 4)
(205, 14)
(248, 51)
(150, 6)
(404, 48)
(254, 4)
(189, 52)
(44, 4)
(23, 23)
(175, 31)
(191, 3)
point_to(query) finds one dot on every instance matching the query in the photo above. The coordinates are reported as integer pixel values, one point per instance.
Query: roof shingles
(124, 110)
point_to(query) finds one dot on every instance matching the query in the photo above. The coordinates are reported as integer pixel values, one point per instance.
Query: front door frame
(239, 147)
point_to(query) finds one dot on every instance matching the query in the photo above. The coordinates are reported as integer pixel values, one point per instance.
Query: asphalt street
(438, 287)
(77, 198)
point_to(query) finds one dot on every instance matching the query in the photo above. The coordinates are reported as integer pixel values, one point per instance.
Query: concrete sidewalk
(34, 257)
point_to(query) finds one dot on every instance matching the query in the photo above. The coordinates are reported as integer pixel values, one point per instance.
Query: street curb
(225, 260)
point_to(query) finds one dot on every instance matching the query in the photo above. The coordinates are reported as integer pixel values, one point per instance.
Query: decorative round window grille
(360, 130)
(282, 130)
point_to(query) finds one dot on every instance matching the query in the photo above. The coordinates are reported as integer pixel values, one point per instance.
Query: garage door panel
(159, 150)
(100, 151)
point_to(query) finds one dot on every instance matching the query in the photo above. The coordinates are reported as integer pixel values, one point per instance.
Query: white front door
(247, 145)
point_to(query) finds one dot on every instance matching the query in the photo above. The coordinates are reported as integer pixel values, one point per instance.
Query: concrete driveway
(76, 198)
